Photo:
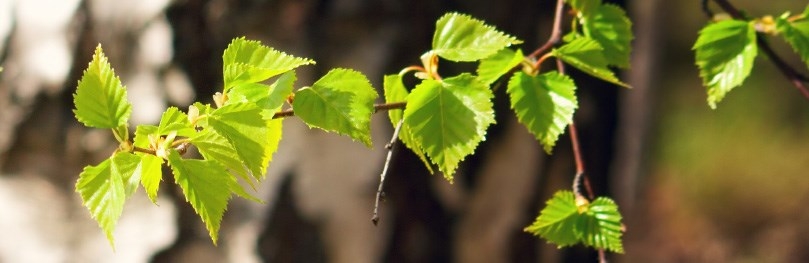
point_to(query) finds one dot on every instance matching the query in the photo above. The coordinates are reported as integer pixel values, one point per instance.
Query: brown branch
(377, 108)
(556, 32)
(379, 193)
(580, 177)
(790, 73)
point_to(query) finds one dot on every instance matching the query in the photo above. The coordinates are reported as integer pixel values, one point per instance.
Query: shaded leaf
(100, 98)
(342, 101)
(612, 29)
(449, 119)
(206, 185)
(543, 103)
(460, 37)
(587, 55)
(244, 127)
(725, 52)
(491, 68)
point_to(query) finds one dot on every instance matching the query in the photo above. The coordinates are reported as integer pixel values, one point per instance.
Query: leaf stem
(379, 193)
(143, 150)
(377, 108)
(580, 177)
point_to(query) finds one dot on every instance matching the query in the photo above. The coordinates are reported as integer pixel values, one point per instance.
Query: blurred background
(694, 184)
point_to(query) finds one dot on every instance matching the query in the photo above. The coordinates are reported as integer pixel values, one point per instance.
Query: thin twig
(556, 32)
(377, 108)
(797, 79)
(389, 146)
(706, 9)
(580, 177)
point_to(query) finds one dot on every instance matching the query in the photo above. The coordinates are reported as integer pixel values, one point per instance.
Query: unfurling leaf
(342, 101)
(395, 91)
(248, 61)
(206, 185)
(725, 52)
(460, 37)
(449, 119)
(543, 103)
(587, 55)
(100, 98)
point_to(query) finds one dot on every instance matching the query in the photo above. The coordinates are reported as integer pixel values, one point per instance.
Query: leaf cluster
(726, 49)
(443, 121)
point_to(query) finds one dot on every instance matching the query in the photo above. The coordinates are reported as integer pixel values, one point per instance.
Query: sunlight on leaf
(492, 68)
(587, 55)
(100, 98)
(342, 101)
(395, 91)
(460, 37)
(725, 52)
(544, 103)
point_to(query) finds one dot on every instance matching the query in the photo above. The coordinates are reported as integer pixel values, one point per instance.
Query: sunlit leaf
(543, 103)
(557, 221)
(725, 52)
(587, 55)
(248, 61)
(460, 37)
(601, 226)
(100, 98)
(174, 120)
(151, 173)
(491, 68)
(206, 186)
(449, 119)
(342, 101)
(395, 91)
(105, 187)
(797, 35)
(270, 98)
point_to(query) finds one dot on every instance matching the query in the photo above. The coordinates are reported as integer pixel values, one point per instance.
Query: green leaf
(395, 91)
(557, 221)
(342, 101)
(460, 37)
(797, 35)
(612, 29)
(243, 126)
(584, 7)
(587, 55)
(602, 226)
(448, 119)
(566, 222)
(142, 133)
(543, 103)
(150, 174)
(214, 147)
(100, 98)
(270, 98)
(206, 185)
(725, 52)
(491, 68)
(248, 61)
(174, 120)
(105, 187)
(128, 166)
